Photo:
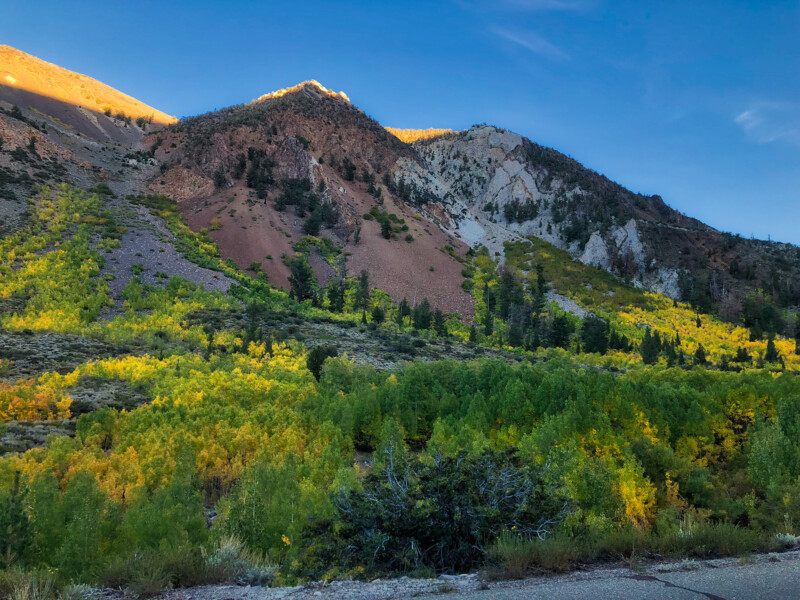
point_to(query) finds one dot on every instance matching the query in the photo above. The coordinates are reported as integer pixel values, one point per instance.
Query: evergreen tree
(363, 292)
(560, 331)
(422, 315)
(488, 324)
(771, 354)
(301, 279)
(378, 314)
(540, 282)
(515, 335)
(336, 293)
(510, 292)
(317, 356)
(15, 530)
(473, 334)
(594, 334)
(700, 355)
(670, 354)
(386, 228)
(440, 323)
(403, 311)
(649, 349)
(742, 355)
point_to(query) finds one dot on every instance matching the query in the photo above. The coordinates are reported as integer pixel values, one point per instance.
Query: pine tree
(594, 334)
(700, 355)
(301, 279)
(670, 354)
(488, 324)
(510, 292)
(403, 310)
(422, 315)
(378, 314)
(386, 228)
(336, 292)
(317, 356)
(560, 331)
(649, 348)
(473, 334)
(363, 292)
(440, 323)
(15, 530)
(771, 354)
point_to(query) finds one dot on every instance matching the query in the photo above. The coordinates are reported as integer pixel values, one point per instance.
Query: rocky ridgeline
(478, 173)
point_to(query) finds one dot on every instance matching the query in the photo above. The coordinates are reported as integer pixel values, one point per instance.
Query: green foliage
(317, 356)
(438, 512)
(301, 279)
(594, 334)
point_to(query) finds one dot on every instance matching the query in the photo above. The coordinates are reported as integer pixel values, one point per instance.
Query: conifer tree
(422, 315)
(488, 324)
(700, 355)
(649, 348)
(301, 279)
(440, 323)
(378, 314)
(363, 292)
(771, 354)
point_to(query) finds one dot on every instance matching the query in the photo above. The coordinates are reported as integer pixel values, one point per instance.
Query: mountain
(404, 205)
(491, 186)
(262, 175)
(208, 373)
(453, 190)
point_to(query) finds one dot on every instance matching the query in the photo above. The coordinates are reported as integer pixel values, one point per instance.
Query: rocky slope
(253, 174)
(491, 186)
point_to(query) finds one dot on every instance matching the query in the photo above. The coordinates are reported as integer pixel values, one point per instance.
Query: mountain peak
(312, 85)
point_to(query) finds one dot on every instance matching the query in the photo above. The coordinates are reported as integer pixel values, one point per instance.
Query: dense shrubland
(258, 460)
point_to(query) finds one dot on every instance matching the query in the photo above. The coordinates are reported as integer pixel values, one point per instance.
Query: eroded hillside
(262, 176)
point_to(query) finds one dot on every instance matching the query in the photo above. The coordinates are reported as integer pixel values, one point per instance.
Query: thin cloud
(531, 41)
(768, 122)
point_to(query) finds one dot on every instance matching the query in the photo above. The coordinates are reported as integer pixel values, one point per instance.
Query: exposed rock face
(489, 186)
(480, 177)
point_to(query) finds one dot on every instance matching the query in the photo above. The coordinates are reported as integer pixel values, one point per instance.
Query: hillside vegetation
(257, 458)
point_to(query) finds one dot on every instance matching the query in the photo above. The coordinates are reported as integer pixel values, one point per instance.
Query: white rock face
(627, 240)
(488, 168)
(596, 252)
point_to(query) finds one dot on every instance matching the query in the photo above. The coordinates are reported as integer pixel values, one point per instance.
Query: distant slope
(81, 103)
(409, 136)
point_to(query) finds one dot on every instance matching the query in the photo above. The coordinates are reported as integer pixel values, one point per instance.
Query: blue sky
(698, 101)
